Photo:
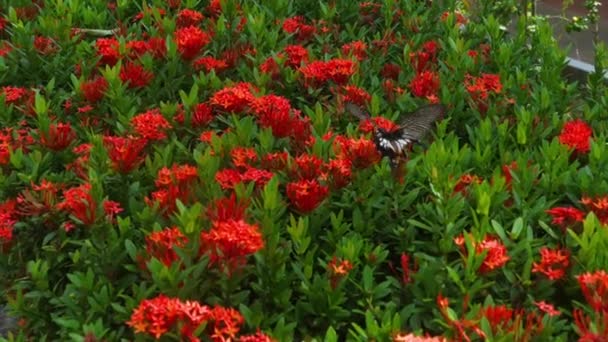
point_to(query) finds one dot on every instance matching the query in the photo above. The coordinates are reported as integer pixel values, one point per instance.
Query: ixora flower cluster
(187, 171)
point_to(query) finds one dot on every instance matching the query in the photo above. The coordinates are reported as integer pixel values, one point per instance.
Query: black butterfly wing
(357, 111)
(416, 125)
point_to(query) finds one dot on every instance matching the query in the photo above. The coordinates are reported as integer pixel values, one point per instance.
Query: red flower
(243, 157)
(173, 184)
(340, 172)
(151, 125)
(307, 166)
(496, 255)
(107, 49)
(111, 209)
(296, 55)
(547, 308)
(156, 316)
(228, 178)
(230, 242)
(188, 17)
(576, 135)
(338, 269)
(209, 63)
(275, 161)
(260, 177)
(125, 153)
(201, 116)
(464, 182)
(190, 40)
(425, 84)
(157, 46)
(160, 244)
(306, 195)
(275, 112)
(58, 137)
(553, 263)
(507, 172)
(79, 202)
(595, 289)
(425, 58)
(366, 126)
(391, 71)
(257, 337)
(499, 316)
(599, 206)
(12, 95)
(297, 26)
(337, 70)
(44, 46)
(227, 208)
(135, 75)
(94, 90)
(356, 48)
(481, 88)
(356, 95)
(361, 152)
(565, 217)
(270, 66)
(233, 99)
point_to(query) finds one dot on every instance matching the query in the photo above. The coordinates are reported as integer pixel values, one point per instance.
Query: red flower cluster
(306, 195)
(357, 49)
(338, 269)
(233, 99)
(107, 49)
(209, 63)
(356, 95)
(190, 41)
(94, 90)
(298, 27)
(496, 252)
(8, 218)
(79, 202)
(501, 318)
(425, 58)
(318, 73)
(296, 55)
(229, 242)
(576, 135)
(464, 181)
(594, 286)
(361, 152)
(425, 84)
(58, 136)
(160, 244)
(339, 172)
(151, 125)
(173, 184)
(125, 153)
(565, 217)
(482, 88)
(244, 159)
(367, 126)
(599, 206)
(135, 75)
(595, 289)
(188, 17)
(227, 208)
(41, 200)
(162, 315)
(553, 263)
(275, 112)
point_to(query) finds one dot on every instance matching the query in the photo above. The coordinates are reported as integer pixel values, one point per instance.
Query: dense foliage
(186, 170)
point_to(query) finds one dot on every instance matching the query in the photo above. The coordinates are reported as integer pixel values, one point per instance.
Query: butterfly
(412, 129)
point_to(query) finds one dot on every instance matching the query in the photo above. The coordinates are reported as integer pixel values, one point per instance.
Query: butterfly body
(395, 143)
